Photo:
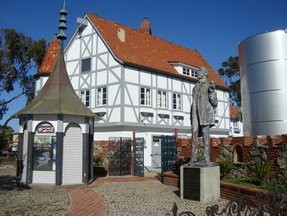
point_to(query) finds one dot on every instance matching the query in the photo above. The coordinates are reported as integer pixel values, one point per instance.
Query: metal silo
(263, 71)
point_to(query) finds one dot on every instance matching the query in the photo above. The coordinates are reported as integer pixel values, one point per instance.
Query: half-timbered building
(137, 84)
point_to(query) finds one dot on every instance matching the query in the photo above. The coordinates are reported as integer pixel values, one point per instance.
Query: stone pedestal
(199, 182)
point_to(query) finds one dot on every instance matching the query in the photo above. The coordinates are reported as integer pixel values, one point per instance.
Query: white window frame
(85, 97)
(101, 96)
(145, 96)
(235, 124)
(186, 71)
(176, 101)
(162, 99)
(193, 72)
(189, 71)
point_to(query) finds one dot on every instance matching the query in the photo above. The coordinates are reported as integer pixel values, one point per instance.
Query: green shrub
(226, 167)
(98, 160)
(260, 172)
(248, 183)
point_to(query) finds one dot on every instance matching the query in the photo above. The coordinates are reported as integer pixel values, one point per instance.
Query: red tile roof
(147, 51)
(138, 49)
(49, 62)
(234, 112)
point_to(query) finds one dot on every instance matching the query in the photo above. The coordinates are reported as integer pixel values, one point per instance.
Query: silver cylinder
(263, 72)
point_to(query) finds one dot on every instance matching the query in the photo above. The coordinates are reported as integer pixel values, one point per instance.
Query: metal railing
(271, 204)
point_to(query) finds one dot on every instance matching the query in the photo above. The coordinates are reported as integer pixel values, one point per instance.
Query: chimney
(145, 26)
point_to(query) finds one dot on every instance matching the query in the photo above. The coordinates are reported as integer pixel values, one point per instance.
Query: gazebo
(56, 134)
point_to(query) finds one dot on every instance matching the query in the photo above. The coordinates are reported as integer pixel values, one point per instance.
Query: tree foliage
(19, 54)
(6, 134)
(230, 74)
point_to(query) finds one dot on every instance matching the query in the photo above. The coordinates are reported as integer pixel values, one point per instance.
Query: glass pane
(44, 153)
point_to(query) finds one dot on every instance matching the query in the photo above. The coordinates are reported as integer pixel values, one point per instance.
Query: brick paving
(84, 201)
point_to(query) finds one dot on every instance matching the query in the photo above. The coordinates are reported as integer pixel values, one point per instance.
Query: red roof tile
(234, 112)
(147, 51)
(49, 62)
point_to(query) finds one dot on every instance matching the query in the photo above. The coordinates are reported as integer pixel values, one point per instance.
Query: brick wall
(242, 145)
(104, 147)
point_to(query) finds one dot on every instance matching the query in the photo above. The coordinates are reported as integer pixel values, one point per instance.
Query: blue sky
(212, 27)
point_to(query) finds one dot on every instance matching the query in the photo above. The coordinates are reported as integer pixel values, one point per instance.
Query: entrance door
(156, 152)
(73, 155)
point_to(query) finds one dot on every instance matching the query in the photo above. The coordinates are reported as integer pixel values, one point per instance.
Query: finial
(62, 26)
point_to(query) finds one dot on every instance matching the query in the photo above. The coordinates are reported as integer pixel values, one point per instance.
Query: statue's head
(202, 72)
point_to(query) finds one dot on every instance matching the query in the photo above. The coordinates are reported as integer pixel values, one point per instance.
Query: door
(73, 155)
(156, 152)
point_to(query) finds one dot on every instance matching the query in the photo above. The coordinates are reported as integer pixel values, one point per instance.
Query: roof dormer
(185, 69)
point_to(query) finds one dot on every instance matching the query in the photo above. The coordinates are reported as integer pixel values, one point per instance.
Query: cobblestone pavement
(18, 199)
(111, 196)
(150, 198)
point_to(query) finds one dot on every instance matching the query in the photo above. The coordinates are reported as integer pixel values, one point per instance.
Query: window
(44, 153)
(101, 96)
(176, 101)
(189, 71)
(86, 65)
(186, 71)
(161, 99)
(85, 97)
(193, 73)
(145, 97)
(235, 124)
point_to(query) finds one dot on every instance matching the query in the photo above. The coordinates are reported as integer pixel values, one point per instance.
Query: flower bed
(231, 191)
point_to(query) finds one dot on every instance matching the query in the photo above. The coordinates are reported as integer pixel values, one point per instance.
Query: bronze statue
(204, 102)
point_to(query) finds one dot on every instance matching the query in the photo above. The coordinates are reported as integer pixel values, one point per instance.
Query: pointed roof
(149, 52)
(57, 96)
(142, 50)
(49, 62)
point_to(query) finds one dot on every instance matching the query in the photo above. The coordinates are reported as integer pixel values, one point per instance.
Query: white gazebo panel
(44, 177)
(73, 155)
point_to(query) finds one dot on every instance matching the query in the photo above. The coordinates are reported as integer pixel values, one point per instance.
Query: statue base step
(200, 182)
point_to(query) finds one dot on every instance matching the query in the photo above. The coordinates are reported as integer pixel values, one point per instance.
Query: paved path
(110, 196)
(84, 201)
(132, 196)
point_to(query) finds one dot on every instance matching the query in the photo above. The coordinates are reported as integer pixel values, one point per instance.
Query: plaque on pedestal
(199, 182)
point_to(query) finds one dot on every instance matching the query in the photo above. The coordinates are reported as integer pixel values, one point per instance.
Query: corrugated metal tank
(263, 71)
